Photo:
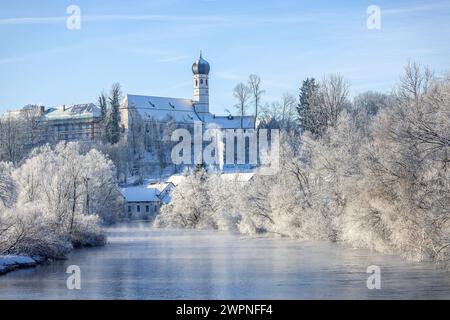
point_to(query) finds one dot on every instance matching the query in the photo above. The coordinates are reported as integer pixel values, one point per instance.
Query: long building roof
(181, 111)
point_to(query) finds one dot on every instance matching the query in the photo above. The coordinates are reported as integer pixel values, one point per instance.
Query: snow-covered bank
(12, 262)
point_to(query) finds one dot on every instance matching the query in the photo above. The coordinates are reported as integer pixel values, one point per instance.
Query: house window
(147, 208)
(138, 208)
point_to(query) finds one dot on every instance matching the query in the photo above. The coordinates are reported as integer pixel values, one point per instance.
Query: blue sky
(149, 46)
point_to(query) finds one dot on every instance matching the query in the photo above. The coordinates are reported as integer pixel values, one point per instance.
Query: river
(140, 262)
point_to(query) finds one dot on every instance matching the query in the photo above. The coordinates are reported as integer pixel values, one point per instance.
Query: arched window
(206, 81)
(201, 81)
(196, 83)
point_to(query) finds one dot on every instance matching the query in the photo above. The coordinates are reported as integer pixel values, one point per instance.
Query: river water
(140, 262)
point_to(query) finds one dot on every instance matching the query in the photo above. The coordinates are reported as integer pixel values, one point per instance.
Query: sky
(148, 46)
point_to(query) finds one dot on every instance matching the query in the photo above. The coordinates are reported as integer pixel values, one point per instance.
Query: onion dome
(201, 66)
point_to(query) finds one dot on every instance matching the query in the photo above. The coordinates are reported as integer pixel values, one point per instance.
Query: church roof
(162, 108)
(181, 111)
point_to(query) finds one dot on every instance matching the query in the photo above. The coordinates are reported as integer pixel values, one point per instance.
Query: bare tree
(254, 84)
(288, 105)
(334, 96)
(242, 93)
(415, 82)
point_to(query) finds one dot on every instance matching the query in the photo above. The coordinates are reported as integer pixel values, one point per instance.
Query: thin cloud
(113, 18)
(41, 20)
(417, 8)
(172, 59)
(287, 19)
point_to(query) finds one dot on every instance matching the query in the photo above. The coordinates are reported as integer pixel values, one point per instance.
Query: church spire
(200, 69)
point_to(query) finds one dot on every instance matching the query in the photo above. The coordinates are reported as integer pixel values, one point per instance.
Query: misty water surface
(140, 262)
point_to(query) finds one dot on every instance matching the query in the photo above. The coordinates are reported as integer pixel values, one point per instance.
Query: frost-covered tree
(377, 176)
(20, 132)
(8, 192)
(64, 183)
(64, 195)
(190, 206)
(406, 174)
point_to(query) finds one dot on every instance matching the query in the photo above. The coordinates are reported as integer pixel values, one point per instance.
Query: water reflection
(144, 263)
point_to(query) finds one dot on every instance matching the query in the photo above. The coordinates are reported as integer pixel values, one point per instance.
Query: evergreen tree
(113, 126)
(103, 104)
(309, 98)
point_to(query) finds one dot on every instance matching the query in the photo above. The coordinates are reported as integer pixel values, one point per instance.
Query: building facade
(80, 122)
(144, 202)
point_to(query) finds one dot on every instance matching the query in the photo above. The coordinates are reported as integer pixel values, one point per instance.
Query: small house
(144, 202)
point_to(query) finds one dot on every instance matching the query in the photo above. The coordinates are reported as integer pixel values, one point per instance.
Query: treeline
(372, 172)
(56, 200)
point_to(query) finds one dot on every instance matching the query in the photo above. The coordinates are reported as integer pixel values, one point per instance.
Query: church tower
(201, 68)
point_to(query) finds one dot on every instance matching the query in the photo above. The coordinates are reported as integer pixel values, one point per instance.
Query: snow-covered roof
(176, 179)
(181, 111)
(242, 177)
(162, 108)
(140, 194)
(161, 186)
(76, 111)
(230, 122)
(11, 114)
(238, 176)
(31, 109)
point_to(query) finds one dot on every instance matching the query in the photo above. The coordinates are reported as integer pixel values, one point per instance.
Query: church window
(201, 81)
(147, 208)
(196, 83)
(206, 82)
(138, 208)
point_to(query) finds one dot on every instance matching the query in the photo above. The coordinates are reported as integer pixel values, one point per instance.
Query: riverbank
(13, 262)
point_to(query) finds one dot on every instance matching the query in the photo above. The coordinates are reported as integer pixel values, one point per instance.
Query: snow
(77, 111)
(176, 179)
(182, 111)
(229, 122)
(238, 176)
(140, 194)
(161, 108)
(11, 262)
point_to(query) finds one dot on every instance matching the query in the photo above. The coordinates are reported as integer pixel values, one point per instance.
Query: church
(138, 111)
